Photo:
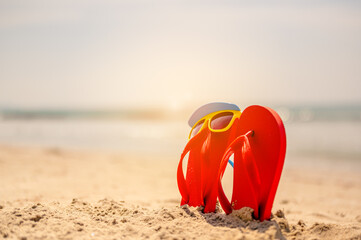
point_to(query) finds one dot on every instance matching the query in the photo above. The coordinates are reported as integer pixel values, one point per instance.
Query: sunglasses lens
(197, 128)
(221, 120)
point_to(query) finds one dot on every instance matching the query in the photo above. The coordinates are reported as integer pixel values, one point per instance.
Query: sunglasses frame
(208, 119)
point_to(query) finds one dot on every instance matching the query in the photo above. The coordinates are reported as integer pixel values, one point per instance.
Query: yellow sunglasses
(219, 121)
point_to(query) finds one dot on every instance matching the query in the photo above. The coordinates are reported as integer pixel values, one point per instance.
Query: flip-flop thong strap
(226, 205)
(248, 162)
(182, 186)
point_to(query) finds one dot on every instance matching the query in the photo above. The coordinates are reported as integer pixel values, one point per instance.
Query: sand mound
(107, 218)
(122, 220)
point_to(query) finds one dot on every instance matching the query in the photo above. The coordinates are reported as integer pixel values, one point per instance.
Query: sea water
(331, 135)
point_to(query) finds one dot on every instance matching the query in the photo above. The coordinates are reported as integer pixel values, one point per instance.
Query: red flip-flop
(259, 154)
(199, 187)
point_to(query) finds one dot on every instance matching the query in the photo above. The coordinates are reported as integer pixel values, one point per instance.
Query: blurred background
(126, 75)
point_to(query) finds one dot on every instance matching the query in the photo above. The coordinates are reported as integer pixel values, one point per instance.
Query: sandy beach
(53, 193)
(99, 99)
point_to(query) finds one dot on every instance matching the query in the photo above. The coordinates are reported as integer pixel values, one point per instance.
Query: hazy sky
(80, 53)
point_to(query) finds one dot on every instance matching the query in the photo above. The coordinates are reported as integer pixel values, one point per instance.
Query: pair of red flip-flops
(257, 141)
